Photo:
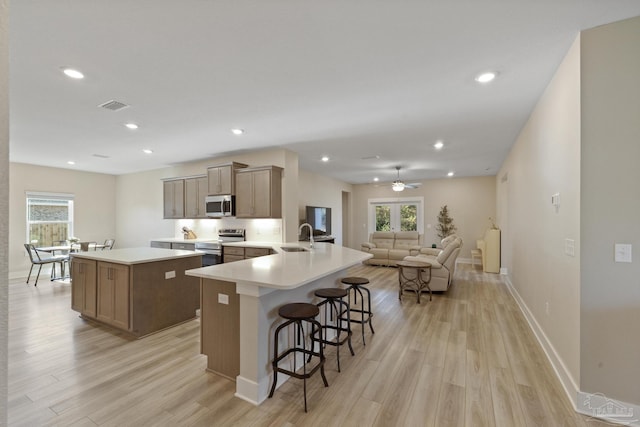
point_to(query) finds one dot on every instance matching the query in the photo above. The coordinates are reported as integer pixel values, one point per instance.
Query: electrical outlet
(223, 298)
(570, 247)
(170, 274)
(276, 230)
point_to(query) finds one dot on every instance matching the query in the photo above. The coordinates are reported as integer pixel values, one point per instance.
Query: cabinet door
(244, 196)
(262, 194)
(220, 180)
(174, 199)
(83, 287)
(195, 191)
(113, 294)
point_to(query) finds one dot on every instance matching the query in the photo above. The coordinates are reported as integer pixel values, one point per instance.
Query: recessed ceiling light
(376, 179)
(325, 158)
(147, 151)
(71, 162)
(450, 174)
(74, 74)
(237, 131)
(486, 77)
(438, 145)
(131, 125)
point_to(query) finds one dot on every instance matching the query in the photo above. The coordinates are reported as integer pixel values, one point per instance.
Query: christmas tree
(445, 223)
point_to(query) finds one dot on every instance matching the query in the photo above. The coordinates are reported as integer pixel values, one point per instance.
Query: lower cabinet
(83, 287)
(113, 294)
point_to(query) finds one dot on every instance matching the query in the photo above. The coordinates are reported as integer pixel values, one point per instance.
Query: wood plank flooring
(467, 358)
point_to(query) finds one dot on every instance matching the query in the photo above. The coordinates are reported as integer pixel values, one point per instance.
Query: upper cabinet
(259, 192)
(221, 178)
(195, 191)
(173, 198)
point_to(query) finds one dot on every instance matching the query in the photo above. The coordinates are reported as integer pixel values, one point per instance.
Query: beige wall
(610, 206)
(94, 206)
(471, 201)
(545, 161)
(140, 202)
(318, 190)
(4, 204)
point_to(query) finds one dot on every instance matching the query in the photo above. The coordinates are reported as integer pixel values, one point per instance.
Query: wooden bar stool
(356, 286)
(297, 313)
(334, 306)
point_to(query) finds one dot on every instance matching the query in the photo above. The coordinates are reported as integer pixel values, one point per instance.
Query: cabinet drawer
(232, 258)
(163, 245)
(228, 250)
(256, 252)
(184, 246)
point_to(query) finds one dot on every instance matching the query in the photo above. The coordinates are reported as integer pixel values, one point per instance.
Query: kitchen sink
(294, 249)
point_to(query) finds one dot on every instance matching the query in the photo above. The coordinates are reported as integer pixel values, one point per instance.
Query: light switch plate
(570, 247)
(169, 274)
(622, 252)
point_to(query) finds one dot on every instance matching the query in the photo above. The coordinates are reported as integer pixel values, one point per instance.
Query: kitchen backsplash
(260, 230)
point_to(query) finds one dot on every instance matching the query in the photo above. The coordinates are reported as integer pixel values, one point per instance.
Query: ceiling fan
(399, 185)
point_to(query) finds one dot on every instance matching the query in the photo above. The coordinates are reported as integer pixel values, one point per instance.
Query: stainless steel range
(212, 251)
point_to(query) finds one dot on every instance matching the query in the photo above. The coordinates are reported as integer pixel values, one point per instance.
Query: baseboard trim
(566, 380)
(594, 405)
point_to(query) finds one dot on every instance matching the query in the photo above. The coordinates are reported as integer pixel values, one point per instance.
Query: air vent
(113, 105)
(102, 156)
(370, 158)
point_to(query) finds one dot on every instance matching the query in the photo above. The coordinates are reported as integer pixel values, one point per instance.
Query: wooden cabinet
(195, 191)
(221, 178)
(113, 294)
(259, 192)
(256, 252)
(83, 287)
(231, 254)
(173, 198)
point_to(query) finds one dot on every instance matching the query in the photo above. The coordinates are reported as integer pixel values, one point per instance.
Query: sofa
(443, 264)
(388, 247)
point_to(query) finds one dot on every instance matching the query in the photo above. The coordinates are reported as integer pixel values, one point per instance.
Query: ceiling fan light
(397, 186)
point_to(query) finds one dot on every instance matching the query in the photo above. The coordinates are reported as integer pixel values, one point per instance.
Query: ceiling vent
(113, 105)
(101, 156)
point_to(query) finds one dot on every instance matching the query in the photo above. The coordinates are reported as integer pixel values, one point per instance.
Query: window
(49, 218)
(396, 214)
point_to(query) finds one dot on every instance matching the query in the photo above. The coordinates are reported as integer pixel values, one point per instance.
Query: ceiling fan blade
(413, 185)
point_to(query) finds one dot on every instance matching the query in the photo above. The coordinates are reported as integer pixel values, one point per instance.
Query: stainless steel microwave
(220, 206)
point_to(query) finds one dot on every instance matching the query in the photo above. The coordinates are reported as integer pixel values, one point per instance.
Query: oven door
(210, 257)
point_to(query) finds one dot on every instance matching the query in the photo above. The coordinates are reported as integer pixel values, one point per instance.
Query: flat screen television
(320, 220)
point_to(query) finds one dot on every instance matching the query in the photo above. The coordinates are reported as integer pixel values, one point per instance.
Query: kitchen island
(240, 302)
(137, 290)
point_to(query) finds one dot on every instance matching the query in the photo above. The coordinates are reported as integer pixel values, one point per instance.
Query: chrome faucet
(310, 232)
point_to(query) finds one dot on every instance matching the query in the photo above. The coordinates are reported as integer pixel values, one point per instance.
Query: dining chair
(108, 244)
(40, 258)
(85, 246)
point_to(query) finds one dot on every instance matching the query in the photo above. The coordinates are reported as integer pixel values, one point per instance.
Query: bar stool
(356, 286)
(297, 313)
(334, 304)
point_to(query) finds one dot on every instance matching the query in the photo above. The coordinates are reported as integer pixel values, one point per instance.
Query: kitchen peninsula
(137, 290)
(240, 303)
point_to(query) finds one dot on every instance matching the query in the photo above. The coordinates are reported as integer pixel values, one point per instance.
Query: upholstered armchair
(443, 265)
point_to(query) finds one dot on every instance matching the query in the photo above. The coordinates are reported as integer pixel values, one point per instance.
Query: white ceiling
(345, 78)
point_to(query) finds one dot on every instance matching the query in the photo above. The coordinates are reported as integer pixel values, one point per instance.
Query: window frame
(372, 203)
(68, 197)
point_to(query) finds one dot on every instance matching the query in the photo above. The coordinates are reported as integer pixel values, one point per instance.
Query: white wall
(471, 201)
(4, 204)
(545, 161)
(318, 190)
(94, 206)
(610, 308)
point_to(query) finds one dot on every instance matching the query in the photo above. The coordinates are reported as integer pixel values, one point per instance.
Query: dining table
(74, 247)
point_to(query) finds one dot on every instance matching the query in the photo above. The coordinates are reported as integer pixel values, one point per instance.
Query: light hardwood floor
(467, 358)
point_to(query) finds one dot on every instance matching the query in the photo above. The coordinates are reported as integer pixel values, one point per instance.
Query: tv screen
(320, 219)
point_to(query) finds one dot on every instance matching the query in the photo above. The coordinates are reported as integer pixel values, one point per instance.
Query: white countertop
(131, 256)
(183, 240)
(284, 270)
